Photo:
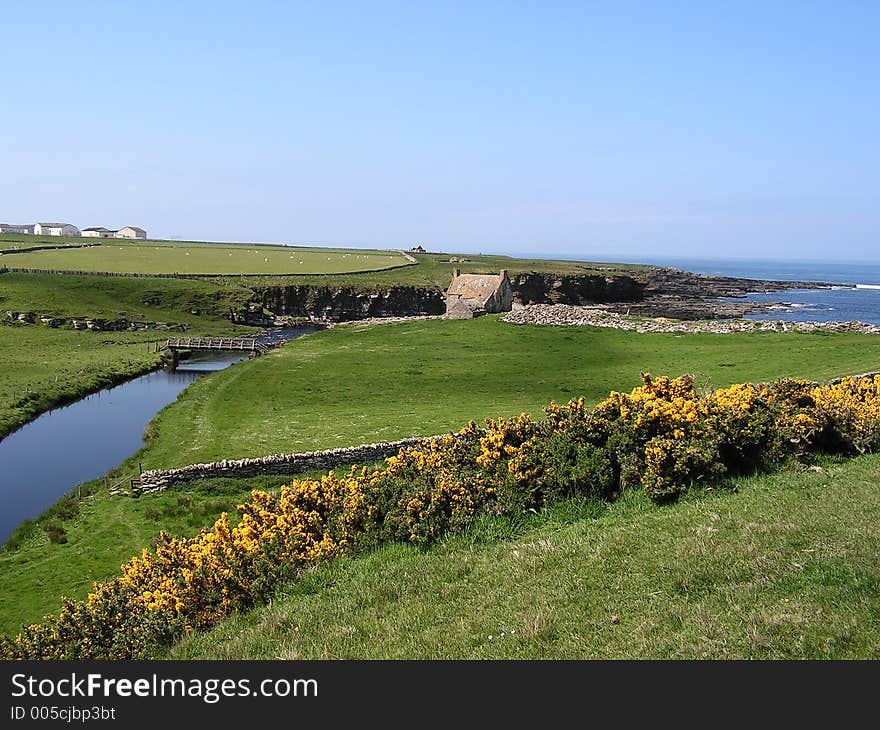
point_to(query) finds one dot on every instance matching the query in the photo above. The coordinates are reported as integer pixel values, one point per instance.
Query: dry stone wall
(158, 480)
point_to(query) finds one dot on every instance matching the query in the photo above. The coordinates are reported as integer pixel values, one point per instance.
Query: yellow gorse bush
(662, 435)
(852, 408)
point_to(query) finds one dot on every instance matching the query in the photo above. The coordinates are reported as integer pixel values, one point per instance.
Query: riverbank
(46, 369)
(47, 362)
(93, 435)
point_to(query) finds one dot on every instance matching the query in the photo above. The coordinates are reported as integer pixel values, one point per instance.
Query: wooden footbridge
(203, 344)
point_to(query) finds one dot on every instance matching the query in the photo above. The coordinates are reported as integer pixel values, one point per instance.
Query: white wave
(867, 286)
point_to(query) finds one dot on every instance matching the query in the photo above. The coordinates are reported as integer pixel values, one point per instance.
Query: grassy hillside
(45, 366)
(346, 267)
(104, 532)
(362, 383)
(434, 270)
(173, 301)
(178, 258)
(353, 384)
(785, 569)
(202, 306)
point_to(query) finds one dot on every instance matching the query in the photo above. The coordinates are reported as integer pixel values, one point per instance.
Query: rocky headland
(649, 291)
(654, 291)
(684, 295)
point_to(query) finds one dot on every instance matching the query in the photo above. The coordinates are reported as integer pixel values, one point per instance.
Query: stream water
(48, 457)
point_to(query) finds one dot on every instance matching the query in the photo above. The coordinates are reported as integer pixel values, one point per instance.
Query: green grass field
(785, 569)
(166, 258)
(10, 242)
(434, 271)
(360, 383)
(346, 267)
(364, 383)
(189, 302)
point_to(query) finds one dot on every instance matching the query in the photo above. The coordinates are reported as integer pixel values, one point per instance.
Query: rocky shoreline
(679, 294)
(565, 315)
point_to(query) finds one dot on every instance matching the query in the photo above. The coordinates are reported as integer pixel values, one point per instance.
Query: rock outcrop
(342, 304)
(652, 291)
(575, 288)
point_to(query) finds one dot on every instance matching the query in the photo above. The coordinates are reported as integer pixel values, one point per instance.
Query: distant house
(470, 295)
(98, 232)
(55, 229)
(417, 249)
(131, 232)
(15, 228)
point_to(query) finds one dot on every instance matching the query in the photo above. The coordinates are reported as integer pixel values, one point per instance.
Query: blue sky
(580, 129)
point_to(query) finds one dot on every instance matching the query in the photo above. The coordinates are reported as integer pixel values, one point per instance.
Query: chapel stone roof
(479, 287)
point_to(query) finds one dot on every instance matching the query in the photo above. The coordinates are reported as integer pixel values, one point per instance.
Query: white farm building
(55, 229)
(97, 232)
(127, 232)
(68, 229)
(131, 232)
(25, 228)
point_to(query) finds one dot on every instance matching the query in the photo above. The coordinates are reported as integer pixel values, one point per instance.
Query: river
(48, 457)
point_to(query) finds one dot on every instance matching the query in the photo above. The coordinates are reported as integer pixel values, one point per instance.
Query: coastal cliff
(649, 291)
(344, 304)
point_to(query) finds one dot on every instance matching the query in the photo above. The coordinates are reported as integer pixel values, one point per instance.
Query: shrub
(850, 413)
(743, 422)
(556, 466)
(674, 464)
(56, 533)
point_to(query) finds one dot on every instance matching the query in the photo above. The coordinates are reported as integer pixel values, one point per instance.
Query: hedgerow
(663, 437)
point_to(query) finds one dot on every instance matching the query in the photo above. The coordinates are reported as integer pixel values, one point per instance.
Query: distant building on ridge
(55, 229)
(25, 229)
(98, 232)
(68, 229)
(127, 232)
(131, 232)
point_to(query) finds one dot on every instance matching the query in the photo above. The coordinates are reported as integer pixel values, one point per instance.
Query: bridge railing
(215, 343)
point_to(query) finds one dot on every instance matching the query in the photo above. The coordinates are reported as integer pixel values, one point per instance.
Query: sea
(856, 296)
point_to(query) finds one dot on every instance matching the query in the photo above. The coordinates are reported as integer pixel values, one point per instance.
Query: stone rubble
(566, 315)
(83, 323)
